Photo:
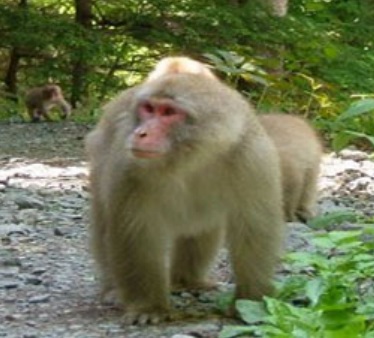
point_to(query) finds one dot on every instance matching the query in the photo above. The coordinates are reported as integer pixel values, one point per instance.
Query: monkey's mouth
(141, 153)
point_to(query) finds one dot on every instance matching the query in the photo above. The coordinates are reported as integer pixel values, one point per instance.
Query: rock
(11, 229)
(40, 299)
(25, 202)
(33, 280)
(356, 155)
(39, 271)
(9, 284)
(9, 271)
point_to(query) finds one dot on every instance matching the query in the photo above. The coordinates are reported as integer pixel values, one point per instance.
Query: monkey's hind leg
(191, 259)
(292, 186)
(305, 210)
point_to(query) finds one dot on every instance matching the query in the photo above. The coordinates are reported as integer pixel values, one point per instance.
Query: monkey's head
(51, 92)
(178, 65)
(185, 115)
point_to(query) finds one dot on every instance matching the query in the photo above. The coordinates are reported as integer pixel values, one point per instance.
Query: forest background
(315, 58)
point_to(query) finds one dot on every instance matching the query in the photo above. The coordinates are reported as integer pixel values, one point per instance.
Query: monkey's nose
(141, 133)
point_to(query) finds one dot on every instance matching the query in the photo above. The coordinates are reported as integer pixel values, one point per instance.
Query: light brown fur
(159, 222)
(40, 100)
(177, 65)
(300, 153)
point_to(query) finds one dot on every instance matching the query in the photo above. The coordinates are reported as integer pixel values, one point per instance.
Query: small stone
(11, 229)
(9, 284)
(33, 280)
(12, 317)
(356, 155)
(9, 271)
(39, 299)
(11, 261)
(39, 271)
(25, 202)
(186, 294)
(59, 232)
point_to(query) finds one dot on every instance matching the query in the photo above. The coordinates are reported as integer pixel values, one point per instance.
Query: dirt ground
(47, 278)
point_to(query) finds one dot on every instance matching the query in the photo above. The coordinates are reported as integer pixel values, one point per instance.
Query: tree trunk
(11, 74)
(10, 80)
(83, 15)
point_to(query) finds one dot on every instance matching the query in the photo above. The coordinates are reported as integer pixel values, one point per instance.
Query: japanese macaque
(300, 153)
(40, 100)
(179, 164)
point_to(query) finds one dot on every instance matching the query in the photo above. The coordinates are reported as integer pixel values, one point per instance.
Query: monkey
(300, 155)
(180, 165)
(300, 152)
(40, 100)
(179, 64)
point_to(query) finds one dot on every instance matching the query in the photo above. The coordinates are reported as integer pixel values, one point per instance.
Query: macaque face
(157, 119)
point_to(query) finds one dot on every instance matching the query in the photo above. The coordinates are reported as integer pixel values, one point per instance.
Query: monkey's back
(294, 138)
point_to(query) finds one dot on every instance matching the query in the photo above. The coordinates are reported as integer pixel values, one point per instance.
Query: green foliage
(11, 110)
(309, 62)
(333, 218)
(356, 123)
(328, 292)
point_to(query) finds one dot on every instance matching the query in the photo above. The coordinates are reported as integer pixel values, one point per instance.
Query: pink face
(158, 117)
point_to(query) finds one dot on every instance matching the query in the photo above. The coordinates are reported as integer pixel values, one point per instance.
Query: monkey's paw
(198, 285)
(304, 215)
(145, 318)
(110, 297)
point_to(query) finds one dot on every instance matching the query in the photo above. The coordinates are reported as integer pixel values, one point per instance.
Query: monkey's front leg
(43, 111)
(255, 241)
(136, 257)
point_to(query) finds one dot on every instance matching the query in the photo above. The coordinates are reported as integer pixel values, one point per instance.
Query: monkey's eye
(148, 108)
(169, 111)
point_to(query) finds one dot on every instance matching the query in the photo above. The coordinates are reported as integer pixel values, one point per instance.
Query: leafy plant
(357, 122)
(328, 293)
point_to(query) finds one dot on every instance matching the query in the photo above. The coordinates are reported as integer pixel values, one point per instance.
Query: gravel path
(47, 284)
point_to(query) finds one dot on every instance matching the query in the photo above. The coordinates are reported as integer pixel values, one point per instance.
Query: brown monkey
(177, 163)
(300, 153)
(40, 100)
(179, 64)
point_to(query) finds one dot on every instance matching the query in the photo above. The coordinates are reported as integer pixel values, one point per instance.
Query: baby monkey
(40, 100)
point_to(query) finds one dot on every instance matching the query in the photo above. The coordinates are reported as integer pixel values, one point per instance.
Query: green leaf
(341, 237)
(225, 300)
(250, 311)
(236, 331)
(340, 140)
(308, 259)
(363, 135)
(314, 290)
(358, 108)
(335, 217)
